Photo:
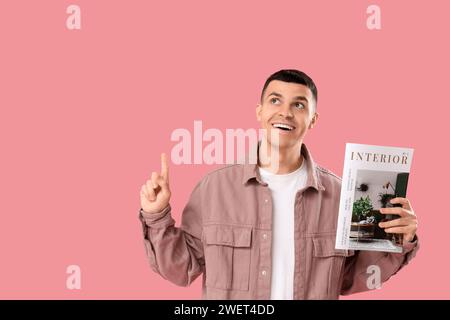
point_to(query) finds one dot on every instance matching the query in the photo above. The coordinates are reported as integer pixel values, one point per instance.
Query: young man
(267, 231)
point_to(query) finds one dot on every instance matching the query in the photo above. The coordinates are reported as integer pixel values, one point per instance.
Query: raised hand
(155, 193)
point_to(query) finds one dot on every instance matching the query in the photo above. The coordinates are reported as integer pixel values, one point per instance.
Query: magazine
(372, 176)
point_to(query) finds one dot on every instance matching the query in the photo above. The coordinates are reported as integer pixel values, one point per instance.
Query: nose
(285, 111)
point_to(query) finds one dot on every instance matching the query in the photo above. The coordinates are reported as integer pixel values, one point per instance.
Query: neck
(284, 161)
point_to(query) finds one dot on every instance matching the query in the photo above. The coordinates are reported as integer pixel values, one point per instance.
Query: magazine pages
(372, 176)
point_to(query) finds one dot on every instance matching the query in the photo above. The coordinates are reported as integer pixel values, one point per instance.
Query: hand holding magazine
(374, 213)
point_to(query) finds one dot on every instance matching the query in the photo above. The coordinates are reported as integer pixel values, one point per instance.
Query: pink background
(85, 114)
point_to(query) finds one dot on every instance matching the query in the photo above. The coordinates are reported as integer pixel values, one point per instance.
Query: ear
(313, 120)
(258, 111)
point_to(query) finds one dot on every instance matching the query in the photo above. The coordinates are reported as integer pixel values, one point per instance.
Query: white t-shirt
(284, 187)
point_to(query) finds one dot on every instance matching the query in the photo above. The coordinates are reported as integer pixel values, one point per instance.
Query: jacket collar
(251, 170)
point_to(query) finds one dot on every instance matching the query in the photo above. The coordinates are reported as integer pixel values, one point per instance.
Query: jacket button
(266, 200)
(265, 236)
(264, 272)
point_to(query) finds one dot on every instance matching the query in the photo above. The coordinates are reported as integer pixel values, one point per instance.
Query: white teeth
(282, 125)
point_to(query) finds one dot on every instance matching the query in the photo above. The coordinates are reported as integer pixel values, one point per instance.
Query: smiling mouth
(283, 126)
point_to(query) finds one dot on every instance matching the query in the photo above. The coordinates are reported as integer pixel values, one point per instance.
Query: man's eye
(300, 105)
(273, 100)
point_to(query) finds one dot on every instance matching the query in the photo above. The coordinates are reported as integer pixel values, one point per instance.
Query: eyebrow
(303, 98)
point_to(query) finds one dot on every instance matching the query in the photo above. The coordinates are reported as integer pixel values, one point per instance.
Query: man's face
(288, 108)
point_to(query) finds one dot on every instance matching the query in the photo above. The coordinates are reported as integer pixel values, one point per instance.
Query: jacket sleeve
(356, 267)
(175, 253)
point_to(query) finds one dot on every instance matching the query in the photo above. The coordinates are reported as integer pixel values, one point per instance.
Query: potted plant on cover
(363, 221)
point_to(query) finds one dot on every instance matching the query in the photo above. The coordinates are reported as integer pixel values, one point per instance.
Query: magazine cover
(372, 176)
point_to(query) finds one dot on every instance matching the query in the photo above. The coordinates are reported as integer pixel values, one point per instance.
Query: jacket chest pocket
(327, 268)
(227, 256)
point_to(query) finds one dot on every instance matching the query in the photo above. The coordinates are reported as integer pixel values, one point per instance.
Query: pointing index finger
(164, 167)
